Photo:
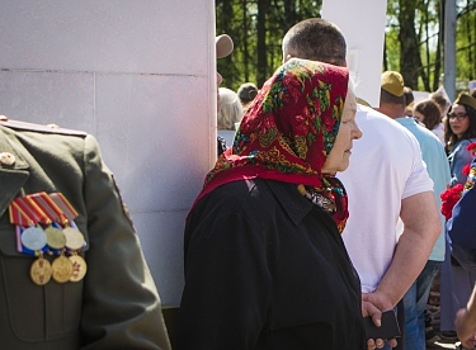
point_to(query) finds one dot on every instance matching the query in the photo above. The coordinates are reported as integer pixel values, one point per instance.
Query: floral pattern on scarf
(288, 132)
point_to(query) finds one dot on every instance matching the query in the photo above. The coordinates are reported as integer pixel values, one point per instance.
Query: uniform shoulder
(45, 129)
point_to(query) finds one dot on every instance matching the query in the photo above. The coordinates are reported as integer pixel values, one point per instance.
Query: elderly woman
(229, 115)
(265, 264)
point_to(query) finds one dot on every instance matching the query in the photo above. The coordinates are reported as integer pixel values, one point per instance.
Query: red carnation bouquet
(451, 196)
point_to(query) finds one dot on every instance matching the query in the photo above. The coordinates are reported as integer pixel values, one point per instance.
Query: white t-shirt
(385, 167)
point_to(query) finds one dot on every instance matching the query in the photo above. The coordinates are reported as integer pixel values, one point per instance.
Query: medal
(55, 238)
(40, 271)
(62, 269)
(33, 238)
(79, 268)
(74, 238)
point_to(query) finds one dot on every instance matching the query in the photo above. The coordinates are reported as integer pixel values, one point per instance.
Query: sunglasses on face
(459, 116)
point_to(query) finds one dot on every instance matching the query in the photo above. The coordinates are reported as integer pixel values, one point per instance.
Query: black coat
(266, 269)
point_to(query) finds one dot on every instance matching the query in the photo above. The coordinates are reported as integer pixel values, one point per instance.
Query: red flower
(449, 198)
(472, 148)
(466, 169)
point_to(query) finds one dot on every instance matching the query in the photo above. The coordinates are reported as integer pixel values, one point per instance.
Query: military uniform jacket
(116, 305)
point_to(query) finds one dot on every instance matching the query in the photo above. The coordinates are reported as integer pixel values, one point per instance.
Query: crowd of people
(395, 253)
(321, 215)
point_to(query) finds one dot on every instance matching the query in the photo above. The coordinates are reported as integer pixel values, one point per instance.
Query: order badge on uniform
(45, 225)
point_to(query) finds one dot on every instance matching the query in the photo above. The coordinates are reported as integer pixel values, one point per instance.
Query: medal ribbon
(18, 216)
(43, 200)
(64, 205)
(29, 204)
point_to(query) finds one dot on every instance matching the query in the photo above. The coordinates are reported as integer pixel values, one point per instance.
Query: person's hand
(379, 300)
(465, 330)
(373, 304)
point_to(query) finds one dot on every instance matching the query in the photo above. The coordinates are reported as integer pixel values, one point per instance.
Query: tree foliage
(414, 41)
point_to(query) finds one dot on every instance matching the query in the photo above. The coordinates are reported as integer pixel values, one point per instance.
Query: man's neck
(392, 110)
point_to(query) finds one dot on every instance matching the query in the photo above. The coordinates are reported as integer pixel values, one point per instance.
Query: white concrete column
(363, 26)
(140, 76)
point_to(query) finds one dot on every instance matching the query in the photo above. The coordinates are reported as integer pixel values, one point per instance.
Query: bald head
(315, 39)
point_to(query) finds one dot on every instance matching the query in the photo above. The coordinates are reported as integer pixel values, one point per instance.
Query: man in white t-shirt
(386, 180)
(385, 169)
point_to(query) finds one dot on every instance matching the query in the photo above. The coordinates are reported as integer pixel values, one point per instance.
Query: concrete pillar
(140, 76)
(363, 26)
(450, 49)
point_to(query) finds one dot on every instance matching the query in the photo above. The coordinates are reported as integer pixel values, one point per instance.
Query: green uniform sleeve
(121, 308)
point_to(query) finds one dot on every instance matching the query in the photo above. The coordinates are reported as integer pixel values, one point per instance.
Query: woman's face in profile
(338, 158)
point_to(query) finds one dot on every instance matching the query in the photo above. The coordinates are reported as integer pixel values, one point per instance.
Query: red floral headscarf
(288, 132)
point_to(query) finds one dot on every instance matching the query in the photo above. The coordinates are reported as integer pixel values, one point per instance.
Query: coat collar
(295, 205)
(14, 176)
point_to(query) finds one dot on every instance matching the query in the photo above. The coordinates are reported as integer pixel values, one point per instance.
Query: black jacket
(266, 269)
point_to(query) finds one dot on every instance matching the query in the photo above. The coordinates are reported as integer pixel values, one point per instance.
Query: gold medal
(79, 268)
(40, 271)
(62, 269)
(55, 238)
(74, 238)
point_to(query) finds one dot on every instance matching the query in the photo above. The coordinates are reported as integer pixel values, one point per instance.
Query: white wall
(140, 76)
(363, 26)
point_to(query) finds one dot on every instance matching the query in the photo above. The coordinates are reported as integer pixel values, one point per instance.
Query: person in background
(443, 104)
(397, 185)
(73, 272)
(229, 115)
(409, 100)
(456, 283)
(461, 231)
(224, 47)
(460, 131)
(392, 104)
(265, 265)
(247, 93)
(465, 323)
(428, 113)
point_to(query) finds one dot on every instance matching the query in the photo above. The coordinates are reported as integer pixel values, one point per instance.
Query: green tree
(257, 28)
(414, 42)
(466, 41)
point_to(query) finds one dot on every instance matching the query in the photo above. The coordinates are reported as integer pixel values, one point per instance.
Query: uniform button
(6, 158)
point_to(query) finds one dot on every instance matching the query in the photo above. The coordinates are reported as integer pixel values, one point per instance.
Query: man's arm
(422, 228)
(466, 323)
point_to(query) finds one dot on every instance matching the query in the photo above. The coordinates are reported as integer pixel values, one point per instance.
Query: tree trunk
(410, 63)
(262, 66)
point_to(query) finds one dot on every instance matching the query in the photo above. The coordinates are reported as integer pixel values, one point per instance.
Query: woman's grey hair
(231, 110)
